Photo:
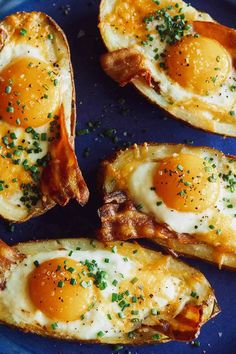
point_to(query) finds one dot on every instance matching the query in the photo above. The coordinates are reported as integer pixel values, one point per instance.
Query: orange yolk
(29, 93)
(53, 291)
(187, 183)
(199, 64)
(12, 176)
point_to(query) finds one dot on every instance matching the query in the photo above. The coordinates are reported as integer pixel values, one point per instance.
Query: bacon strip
(185, 326)
(224, 35)
(62, 179)
(125, 65)
(120, 220)
(8, 256)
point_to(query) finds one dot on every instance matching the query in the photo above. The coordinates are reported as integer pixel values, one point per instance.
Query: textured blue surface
(123, 109)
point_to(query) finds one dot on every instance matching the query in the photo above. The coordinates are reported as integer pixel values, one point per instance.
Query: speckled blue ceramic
(99, 99)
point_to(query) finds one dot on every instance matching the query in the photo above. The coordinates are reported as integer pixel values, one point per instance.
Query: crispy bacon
(225, 35)
(8, 256)
(120, 220)
(125, 65)
(185, 326)
(62, 179)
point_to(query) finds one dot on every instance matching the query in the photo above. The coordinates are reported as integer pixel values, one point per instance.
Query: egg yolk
(29, 93)
(55, 289)
(187, 183)
(12, 177)
(199, 64)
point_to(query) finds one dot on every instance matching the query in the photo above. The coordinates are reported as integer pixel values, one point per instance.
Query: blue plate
(133, 119)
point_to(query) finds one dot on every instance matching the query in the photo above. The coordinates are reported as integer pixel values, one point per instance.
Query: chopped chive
(114, 249)
(134, 280)
(29, 130)
(54, 325)
(71, 270)
(115, 282)
(121, 315)
(36, 263)
(155, 312)
(60, 284)
(100, 334)
(194, 294)
(180, 167)
(196, 344)
(43, 136)
(156, 336)
(8, 89)
(5, 140)
(73, 281)
(34, 169)
(23, 32)
(10, 109)
(84, 284)
(135, 312)
(17, 153)
(114, 297)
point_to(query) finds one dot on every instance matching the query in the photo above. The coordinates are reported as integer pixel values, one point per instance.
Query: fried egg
(110, 293)
(188, 195)
(176, 56)
(37, 113)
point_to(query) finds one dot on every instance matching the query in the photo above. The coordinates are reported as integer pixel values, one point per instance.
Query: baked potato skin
(147, 87)
(82, 192)
(120, 219)
(143, 335)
